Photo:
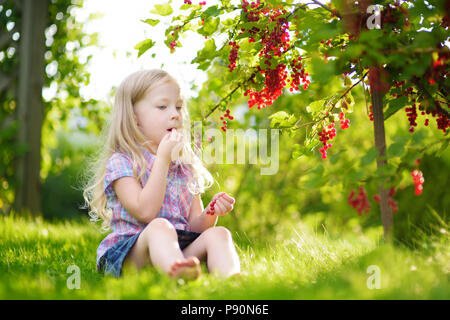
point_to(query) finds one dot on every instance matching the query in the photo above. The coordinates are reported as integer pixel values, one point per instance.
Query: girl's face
(158, 112)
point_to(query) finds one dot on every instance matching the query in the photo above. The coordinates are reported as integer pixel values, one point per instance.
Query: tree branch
(327, 8)
(321, 119)
(349, 89)
(229, 95)
(428, 95)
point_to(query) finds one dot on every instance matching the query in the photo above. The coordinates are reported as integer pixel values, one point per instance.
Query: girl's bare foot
(188, 269)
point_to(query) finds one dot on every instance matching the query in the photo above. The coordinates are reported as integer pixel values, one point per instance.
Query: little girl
(146, 187)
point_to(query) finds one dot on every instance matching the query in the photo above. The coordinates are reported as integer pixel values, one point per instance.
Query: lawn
(301, 262)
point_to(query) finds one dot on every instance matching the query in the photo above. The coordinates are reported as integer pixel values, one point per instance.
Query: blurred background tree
(43, 40)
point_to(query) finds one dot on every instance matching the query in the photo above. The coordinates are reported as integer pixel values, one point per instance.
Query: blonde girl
(146, 187)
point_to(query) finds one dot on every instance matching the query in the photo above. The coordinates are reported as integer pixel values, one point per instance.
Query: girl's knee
(159, 224)
(219, 233)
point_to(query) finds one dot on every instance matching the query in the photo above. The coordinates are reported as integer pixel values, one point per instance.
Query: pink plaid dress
(175, 207)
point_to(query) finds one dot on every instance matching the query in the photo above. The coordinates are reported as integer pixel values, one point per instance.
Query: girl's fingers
(219, 207)
(224, 203)
(227, 205)
(227, 198)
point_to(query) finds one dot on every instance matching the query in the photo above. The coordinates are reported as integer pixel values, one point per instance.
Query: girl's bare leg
(216, 245)
(158, 245)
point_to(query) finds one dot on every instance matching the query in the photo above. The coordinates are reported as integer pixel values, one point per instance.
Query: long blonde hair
(123, 135)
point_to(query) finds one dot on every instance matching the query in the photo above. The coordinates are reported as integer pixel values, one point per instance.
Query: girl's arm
(144, 203)
(198, 219)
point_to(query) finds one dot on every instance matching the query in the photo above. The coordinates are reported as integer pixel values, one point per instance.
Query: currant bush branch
(295, 127)
(334, 12)
(429, 96)
(405, 165)
(348, 90)
(296, 8)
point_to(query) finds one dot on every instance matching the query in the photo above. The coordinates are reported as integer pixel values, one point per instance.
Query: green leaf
(143, 46)
(443, 148)
(322, 72)
(315, 182)
(396, 149)
(228, 22)
(350, 101)
(208, 52)
(384, 171)
(394, 106)
(282, 119)
(315, 106)
(280, 115)
(335, 157)
(204, 66)
(298, 151)
(418, 137)
(212, 11)
(152, 22)
(162, 9)
(370, 156)
(209, 27)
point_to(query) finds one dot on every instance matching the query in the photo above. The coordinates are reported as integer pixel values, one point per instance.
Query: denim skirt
(112, 260)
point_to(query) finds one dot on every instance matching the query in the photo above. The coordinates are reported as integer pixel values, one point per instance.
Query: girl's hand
(220, 204)
(170, 146)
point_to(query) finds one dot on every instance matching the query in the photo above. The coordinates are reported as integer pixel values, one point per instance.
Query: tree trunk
(380, 143)
(29, 104)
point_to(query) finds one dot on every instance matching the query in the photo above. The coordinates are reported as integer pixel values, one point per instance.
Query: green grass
(299, 263)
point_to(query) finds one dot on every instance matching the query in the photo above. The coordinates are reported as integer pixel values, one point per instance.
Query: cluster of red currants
(233, 55)
(277, 41)
(438, 69)
(326, 135)
(442, 121)
(253, 5)
(173, 44)
(360, 202)
(253, 15)
(298, 72)
(226, 115)
(411, 113)
(202, 3)
(274, 84)
(328, 43)
(344, 122)
(393, 204)
(210, 209)
(370, 113)
(187, 2)
(418, 181)
(274, 43)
